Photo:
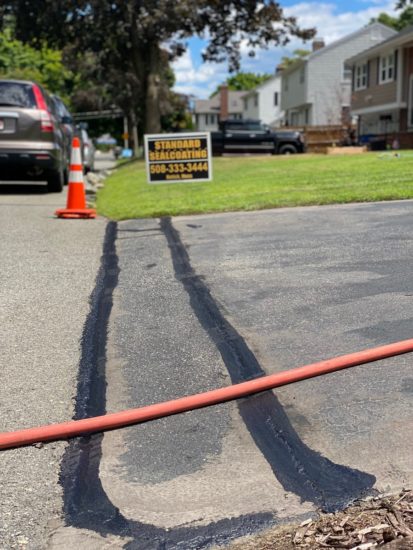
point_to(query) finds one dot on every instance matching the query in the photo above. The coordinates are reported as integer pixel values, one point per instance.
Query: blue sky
(333, 20)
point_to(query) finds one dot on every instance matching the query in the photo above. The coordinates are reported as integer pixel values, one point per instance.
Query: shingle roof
(213, 105)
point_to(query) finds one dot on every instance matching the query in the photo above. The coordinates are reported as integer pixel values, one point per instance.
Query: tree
(398, 23)
(44, 65)
(243, 81)
(297, 56)
(402, 4)
(128, 37)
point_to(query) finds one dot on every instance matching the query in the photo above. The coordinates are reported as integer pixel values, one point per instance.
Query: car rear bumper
(29, 165)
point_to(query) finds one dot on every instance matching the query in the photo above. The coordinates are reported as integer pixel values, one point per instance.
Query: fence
(319, 139)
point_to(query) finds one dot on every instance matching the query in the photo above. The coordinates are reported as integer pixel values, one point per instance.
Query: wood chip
(306, 522)
(376, 528)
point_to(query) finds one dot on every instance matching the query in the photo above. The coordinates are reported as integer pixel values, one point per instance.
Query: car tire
(55, 181)
(287, 149)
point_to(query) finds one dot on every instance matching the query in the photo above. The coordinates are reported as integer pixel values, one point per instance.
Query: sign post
(172, 158)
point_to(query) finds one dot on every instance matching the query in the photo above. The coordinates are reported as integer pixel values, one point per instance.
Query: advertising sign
(172, 158)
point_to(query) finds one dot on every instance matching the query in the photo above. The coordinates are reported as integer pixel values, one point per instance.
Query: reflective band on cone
(76, 197)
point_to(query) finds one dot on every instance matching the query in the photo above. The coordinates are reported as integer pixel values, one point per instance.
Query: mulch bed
(375, 522)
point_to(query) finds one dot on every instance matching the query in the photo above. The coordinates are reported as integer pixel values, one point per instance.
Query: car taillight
(46, 122)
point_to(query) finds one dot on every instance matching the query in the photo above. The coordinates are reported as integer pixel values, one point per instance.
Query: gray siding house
(224, 104)
(316, 90)
(382, 97)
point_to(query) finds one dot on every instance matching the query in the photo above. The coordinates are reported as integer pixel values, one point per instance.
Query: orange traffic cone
(76, 198)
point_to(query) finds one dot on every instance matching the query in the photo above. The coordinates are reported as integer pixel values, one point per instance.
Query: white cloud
(199, 81)
(332, 25)
(202, 80)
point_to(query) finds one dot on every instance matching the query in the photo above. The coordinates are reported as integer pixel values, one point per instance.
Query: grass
(253, 183)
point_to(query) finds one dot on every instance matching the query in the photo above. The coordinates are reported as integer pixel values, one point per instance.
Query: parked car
(68, 127)
(32, 142)
(88, 151)
(250, 136)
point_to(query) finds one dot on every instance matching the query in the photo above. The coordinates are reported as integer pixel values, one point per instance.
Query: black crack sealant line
(298, 468)
(86, 505)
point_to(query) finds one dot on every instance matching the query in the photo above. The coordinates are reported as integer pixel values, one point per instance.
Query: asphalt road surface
(185, 305)
(199, 302)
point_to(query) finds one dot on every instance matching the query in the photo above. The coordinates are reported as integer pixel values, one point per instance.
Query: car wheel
(287, 150)
(55, 181)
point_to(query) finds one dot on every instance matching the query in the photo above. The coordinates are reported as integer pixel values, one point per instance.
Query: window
(302, 75)
(206, 120)
(347, 72)
(275, 99)
(16, 94)
(361, 77)
(387, 68)
(286, 84)
(254, 127)
(256, 100)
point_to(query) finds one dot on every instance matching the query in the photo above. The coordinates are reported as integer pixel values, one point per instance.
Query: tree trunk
(152, 107)
(134, 128)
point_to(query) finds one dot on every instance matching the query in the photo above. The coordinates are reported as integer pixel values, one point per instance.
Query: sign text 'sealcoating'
(178, 157)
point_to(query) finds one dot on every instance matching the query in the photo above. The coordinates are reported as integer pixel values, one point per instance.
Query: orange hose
(112, 421)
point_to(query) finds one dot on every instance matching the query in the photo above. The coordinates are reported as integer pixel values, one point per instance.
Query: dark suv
(33, 144)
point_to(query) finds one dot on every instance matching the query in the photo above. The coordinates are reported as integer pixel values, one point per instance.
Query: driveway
(199, 302)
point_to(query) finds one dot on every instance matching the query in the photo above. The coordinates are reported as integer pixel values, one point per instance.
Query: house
(224, 104)
(264, 102)
(382, 97)
(316, 90)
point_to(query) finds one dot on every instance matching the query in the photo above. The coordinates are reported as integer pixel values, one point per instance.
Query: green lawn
(252, 183)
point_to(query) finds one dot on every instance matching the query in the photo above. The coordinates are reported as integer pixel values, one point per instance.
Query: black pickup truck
(250, 136)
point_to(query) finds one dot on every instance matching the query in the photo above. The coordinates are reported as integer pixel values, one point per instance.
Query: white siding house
(264, 102)
(317, 89)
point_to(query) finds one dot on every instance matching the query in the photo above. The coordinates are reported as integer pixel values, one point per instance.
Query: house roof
(213, 105)
(400, 38)
(334, 44)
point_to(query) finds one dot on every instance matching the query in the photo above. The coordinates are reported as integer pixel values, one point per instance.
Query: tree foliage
(402, 4)
(44, 65)
(243, 81)
(297, 56)
(127, 38)
(398, 23)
